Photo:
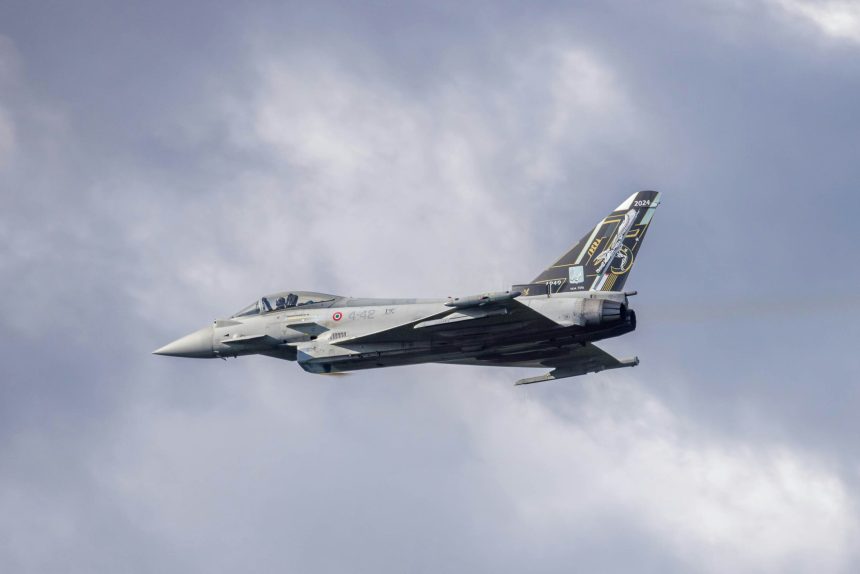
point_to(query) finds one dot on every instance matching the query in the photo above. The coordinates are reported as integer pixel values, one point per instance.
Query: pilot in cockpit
(281, 303)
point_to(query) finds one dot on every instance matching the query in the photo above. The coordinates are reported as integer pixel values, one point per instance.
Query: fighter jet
(550, 322)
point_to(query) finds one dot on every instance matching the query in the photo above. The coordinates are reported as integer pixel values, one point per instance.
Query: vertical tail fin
(601, 260)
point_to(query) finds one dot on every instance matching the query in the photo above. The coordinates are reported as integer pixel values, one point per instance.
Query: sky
(162, 165)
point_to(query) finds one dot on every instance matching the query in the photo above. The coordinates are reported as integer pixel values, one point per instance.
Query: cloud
(8, 77)
(838, 19)
(349, 164)
(719, 504)
(387, 474)
(372, 153)
(7, 139)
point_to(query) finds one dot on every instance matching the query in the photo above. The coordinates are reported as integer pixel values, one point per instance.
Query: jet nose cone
(195, 345)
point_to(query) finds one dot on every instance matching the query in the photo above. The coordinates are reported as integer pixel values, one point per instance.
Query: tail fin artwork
(601, 260)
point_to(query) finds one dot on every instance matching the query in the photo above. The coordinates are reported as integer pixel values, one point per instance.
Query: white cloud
(720, 505)
(352, 165)
(839, 19)
(534, 479)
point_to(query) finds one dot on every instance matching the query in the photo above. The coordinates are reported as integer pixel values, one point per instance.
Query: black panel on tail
(601, 260)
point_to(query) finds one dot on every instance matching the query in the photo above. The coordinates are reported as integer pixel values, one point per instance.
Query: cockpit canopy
(285, 300)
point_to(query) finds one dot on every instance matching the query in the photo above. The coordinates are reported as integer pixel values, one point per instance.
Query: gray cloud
(159, 168)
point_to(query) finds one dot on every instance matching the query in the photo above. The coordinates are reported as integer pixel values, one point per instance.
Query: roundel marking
(337, 316)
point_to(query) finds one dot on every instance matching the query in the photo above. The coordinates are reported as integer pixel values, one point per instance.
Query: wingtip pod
(602, 259)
